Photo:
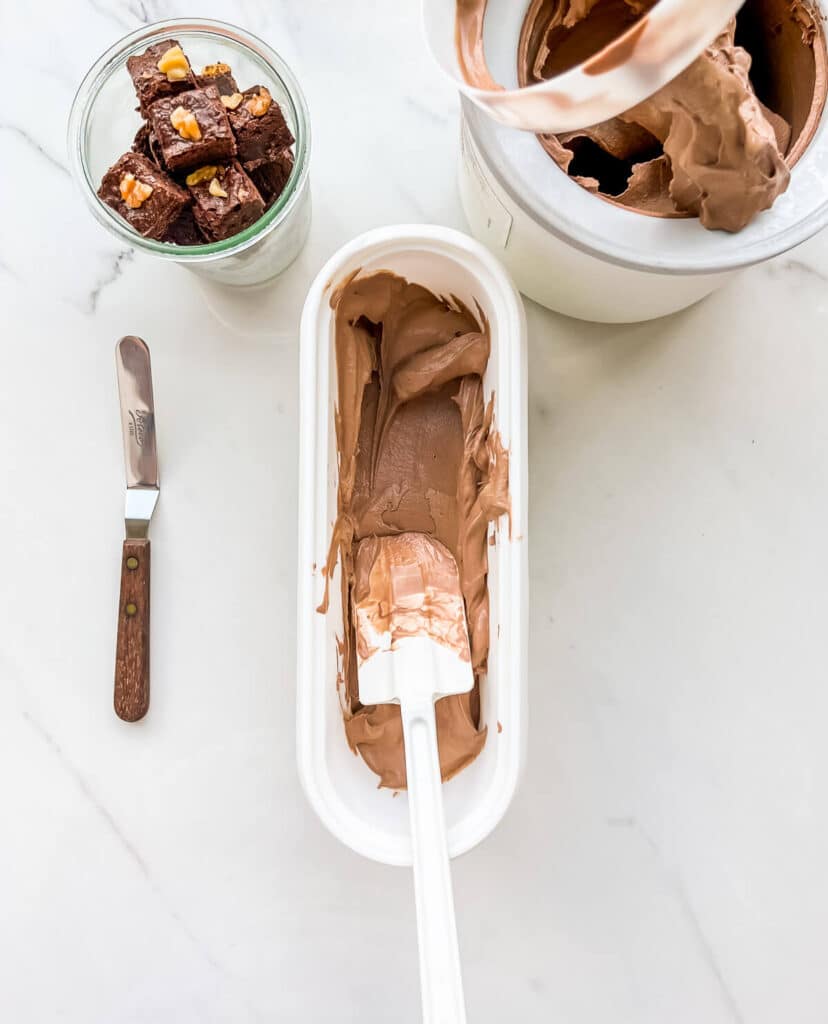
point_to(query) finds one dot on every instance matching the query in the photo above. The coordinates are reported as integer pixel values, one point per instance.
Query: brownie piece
(146, 143)
(219, 75)
(220, 215)
(270, 179)
(207, 137)
(147, 198)
(152, 84)
(260, 128)
(184, 231)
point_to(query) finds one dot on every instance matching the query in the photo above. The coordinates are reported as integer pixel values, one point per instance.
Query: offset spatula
(413, 648)
(132, 655)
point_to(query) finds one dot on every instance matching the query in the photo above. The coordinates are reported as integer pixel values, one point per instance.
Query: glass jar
(103, 122)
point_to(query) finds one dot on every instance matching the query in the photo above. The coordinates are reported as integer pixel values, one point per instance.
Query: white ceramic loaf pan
(339, 785)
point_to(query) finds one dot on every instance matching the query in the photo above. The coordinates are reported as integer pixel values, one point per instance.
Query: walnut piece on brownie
(225, 200)
(261, 130)
(151, 83)
(192, 129)
(147, 198)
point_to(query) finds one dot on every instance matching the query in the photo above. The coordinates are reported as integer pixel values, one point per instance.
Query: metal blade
(132, 360)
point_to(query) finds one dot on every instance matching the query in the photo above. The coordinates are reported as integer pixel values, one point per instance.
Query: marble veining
(36, 146)
(124, 257)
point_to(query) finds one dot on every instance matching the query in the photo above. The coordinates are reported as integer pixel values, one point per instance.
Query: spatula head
(411, 629)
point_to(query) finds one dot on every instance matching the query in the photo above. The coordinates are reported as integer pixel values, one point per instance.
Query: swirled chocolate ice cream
(418, 454)
(718, 142)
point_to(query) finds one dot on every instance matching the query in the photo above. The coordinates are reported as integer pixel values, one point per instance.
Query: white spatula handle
(440, 977)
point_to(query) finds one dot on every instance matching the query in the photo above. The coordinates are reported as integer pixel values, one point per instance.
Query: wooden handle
(132, 677)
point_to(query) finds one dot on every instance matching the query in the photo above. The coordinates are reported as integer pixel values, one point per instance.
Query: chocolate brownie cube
(151, 84)
(270, 179)
(260, 128)
(147, 198)
(192, 129)
(146, 143)
(219, 75)
(185, 231)
(225, 200)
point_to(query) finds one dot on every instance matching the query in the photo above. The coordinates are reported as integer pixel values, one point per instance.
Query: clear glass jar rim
(104, 67)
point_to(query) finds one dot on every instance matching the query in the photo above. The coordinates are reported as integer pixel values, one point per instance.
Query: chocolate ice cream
(418, 454)
(717, 142)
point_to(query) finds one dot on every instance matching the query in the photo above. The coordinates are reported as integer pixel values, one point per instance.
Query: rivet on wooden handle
(132, 654)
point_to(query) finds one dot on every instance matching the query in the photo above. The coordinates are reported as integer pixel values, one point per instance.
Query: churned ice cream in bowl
(625, 157)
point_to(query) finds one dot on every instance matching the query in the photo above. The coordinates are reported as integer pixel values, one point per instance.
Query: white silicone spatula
(413, 648)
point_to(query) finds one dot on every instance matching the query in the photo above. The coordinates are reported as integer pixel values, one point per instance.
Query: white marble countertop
(666, 858)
